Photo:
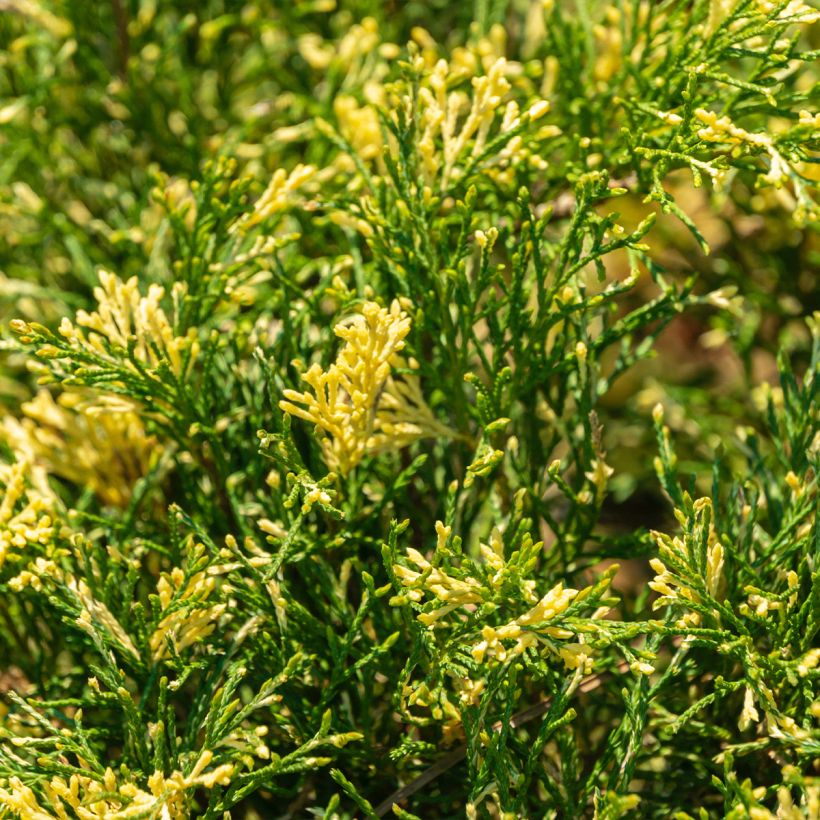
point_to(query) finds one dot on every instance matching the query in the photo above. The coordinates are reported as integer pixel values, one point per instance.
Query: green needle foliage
(409, 409)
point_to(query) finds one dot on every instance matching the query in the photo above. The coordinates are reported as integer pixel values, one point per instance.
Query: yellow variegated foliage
(456, 126)
(456, 123)
(530, 629)
(108, 798)
(99, 445)
(189, 618)
(669, 583)
(123, 316)
(795, 11)
(27, 512)
(94, 616)
(279, 194)
(358, 403)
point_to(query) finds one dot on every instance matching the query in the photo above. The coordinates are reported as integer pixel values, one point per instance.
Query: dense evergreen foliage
(409, 409)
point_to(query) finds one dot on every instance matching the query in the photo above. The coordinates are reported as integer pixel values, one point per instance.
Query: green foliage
(422, 427)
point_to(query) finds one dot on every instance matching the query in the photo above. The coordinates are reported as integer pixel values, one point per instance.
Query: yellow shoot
(26, 513)
(358, 404)
(530, 629)
(124, 316)
(165, 796)
(183, 626)
(100, 446)
(673, 589)
(279, 194)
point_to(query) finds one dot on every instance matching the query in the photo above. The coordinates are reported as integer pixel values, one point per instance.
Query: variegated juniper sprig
(340, 371)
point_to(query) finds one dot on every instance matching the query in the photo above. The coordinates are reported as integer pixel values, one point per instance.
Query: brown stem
(124, 44)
